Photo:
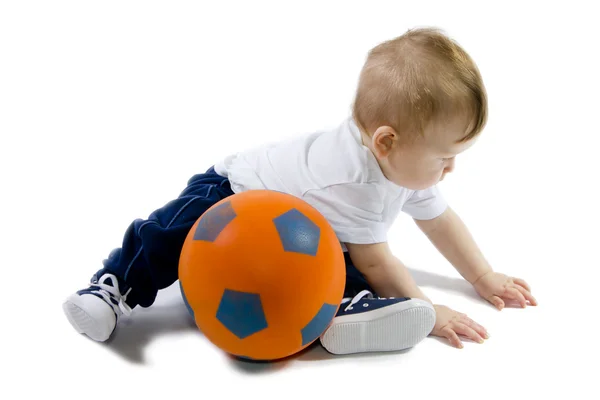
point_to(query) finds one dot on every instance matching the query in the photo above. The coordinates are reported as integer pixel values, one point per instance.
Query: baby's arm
(384, 272)
(451, 237)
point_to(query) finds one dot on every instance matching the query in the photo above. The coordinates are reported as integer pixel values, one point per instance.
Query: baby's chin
(417, 184)
(425, 185)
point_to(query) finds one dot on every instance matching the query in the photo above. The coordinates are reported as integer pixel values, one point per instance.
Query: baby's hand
(498, 288)
(450, 324)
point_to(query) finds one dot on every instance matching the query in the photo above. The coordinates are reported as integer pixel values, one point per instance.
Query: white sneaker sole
(83, 322)
(392, 328)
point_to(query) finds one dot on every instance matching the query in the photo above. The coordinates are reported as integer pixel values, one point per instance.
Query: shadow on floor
(134, 333)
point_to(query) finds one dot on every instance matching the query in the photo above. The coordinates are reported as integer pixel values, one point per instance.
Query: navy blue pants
(148, 260)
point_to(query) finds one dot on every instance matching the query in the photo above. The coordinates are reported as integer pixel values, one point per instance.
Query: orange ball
(263, 274)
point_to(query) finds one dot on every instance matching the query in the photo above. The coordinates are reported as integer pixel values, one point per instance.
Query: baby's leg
(147, 262)
(366, 323)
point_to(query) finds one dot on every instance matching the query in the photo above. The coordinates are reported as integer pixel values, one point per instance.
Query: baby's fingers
(469, 332)
(452, 337)
(527, 295)
(522, 283)
(514, 294)
(497, 302)
(476, 327)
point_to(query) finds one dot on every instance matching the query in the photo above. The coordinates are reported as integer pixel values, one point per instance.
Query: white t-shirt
(339, 176)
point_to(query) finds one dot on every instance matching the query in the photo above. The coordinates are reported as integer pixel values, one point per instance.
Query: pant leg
(148, 260)
(355, 280)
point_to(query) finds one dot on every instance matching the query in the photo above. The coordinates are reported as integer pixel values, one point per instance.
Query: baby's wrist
(473, 281)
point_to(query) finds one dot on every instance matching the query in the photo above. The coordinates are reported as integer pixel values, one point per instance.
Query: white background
(107, 108)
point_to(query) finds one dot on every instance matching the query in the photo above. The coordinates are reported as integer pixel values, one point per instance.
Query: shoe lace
(106, 291)
(356, 299)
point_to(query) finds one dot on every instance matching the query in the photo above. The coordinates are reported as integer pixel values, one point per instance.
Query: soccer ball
(263, 274)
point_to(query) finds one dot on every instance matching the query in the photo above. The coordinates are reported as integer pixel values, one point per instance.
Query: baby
(420, 102)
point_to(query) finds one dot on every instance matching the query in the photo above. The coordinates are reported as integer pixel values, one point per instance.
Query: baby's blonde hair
(416, 79)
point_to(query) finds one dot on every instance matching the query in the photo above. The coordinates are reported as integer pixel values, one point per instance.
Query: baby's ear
(385, 139)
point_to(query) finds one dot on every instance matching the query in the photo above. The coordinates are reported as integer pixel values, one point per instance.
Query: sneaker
(371, 324)
(95, 311)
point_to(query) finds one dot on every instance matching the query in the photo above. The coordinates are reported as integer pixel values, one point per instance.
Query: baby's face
(426, 161)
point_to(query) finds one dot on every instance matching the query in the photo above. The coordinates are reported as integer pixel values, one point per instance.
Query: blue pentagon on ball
(318, 324)
(185, 301)
(214, 221)
(242, 313)
(298, 233)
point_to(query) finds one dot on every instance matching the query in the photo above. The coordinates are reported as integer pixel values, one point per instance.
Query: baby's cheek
(435, 177)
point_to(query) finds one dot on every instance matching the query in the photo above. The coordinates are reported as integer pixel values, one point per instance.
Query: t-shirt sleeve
(425, 204)
(353, 210)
